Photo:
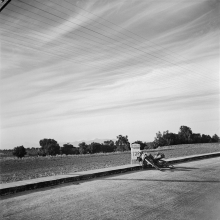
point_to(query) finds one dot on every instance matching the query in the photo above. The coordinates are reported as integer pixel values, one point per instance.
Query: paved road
(191, 191)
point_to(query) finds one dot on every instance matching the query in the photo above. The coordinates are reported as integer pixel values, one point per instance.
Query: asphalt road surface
(191, 191)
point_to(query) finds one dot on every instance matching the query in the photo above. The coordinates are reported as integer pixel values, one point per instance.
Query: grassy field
(13, 169)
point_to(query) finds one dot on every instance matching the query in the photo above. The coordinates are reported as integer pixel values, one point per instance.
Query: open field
(13, 169)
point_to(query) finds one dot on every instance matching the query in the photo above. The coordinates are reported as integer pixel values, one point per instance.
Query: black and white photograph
(110, 109)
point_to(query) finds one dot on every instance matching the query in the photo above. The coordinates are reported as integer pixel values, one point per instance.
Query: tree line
(51, 146)
(184, 136)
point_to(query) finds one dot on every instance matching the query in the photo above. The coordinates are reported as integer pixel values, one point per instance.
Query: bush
(53, 149)
(84, 148)
(108, 146)
(19, 151)
(122, 144)
(215, 138)
(49, 147)
(75, 150)
(67, 149)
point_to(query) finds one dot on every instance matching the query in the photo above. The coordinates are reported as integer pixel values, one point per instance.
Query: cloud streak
(92, 58)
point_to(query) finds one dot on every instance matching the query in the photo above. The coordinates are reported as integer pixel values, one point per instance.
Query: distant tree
(122, 144)
(53, 149)
(95, 148)
(170, 138)
(49, 147)
(215, 138)
(19, 151)
(75, 150)
(166, 139)
(196, 138)
(109, 142)
(159, 140)
(67, 149)
(185, 135)
(83, 148)
(206, 139)
(108, 146)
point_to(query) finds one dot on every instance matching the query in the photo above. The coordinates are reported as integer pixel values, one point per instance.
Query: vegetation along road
(191, 191)
(13, 169)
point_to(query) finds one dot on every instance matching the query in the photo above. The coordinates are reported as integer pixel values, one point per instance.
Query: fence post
(135, 148)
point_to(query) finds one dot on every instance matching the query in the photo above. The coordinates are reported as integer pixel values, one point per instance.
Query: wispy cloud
(94, 58)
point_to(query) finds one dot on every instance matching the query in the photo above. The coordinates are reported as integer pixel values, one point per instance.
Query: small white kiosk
(135, 148)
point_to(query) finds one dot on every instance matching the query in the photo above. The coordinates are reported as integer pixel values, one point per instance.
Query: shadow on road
(170, 180)
(180, 169)
(174, 169)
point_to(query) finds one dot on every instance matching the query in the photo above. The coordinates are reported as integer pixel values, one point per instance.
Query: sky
(81, 70)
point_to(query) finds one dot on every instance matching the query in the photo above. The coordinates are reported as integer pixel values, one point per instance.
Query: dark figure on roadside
(145, 158)
(142, 158)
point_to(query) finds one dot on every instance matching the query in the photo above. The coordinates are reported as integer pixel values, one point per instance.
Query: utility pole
(3, 4)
